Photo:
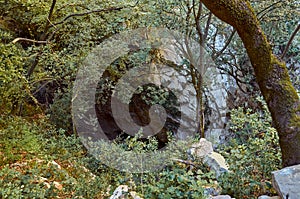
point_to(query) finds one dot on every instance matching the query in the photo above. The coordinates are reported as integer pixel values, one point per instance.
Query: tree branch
(290, 41)
(268, 9)
(89, 12)
(184, 162)
(205, 34)
(43, 36)
(197, 19)
(226, 44)
(29, 40)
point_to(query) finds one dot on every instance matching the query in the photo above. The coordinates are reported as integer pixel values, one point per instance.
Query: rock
(204, 150)
(55, 164)
(216, 162)
(57, 185)
(287, 182)
(215, 135)
(122, 192)
(134, 195)
(268, 197)
(212, 191)
(201, 149)
(221, 197)
(119, 191)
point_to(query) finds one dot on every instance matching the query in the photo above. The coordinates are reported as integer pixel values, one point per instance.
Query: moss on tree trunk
(271, 74)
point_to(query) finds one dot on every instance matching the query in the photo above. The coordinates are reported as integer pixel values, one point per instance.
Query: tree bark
(271, 74)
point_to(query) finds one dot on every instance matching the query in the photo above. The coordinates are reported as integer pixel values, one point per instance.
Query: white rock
(118, 193)
(201, 149)
(268, 197)
(216, 162)
(55, 164)
(287, 182)
(221, 197)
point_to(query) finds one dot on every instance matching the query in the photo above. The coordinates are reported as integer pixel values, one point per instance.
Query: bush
(252, 154)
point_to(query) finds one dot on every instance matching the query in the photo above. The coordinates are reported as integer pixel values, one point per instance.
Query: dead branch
(28, 40)
(290, 41)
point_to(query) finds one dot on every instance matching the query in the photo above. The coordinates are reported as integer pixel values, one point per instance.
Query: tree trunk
(271, 74)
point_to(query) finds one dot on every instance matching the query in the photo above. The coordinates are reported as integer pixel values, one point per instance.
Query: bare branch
(197, 16)
(268, 9)
(290, 41)
(184, 161)
(43, 36)
(89, 12)
(226, 45)
(29, 40)
(205, 34)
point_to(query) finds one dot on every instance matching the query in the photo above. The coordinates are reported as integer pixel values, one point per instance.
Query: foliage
(39, 160)
(60, 111)
(252, 154)
(12, 61)
(175, 183)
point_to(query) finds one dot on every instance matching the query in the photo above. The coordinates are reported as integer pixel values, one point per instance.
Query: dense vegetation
(42, 45)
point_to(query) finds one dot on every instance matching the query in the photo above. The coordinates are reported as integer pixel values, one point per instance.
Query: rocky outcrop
(204, 151)
(287, 182)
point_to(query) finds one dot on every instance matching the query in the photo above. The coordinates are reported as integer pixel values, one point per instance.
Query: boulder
(268, 197)
(216, 162)
(122, 192)
(221, 197)
(201, 149)
(287, 182)
(204, 150)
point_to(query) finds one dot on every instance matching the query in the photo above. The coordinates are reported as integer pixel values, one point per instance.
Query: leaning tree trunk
(271, 74)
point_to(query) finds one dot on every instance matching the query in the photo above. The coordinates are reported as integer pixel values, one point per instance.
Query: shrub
(252, 154)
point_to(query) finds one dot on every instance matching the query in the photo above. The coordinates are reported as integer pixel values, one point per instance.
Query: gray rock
(201, 149)
(287, 182)
(268, 197)
(212, 191)
(119, 191)
(204, 150)
(122, 192)
(216, 162)
(221, 197)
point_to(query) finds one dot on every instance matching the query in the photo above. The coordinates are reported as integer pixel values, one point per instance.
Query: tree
(271, 74)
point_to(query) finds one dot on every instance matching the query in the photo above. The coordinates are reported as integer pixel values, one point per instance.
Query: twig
(184, 161)
(89, 12)
(268, 9)
(290, 41)
(29, 40)
(43, 36)
(208, 22)
(226, 45)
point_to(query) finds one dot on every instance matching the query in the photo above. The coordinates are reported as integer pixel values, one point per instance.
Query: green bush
(174, 182)
(252, 154)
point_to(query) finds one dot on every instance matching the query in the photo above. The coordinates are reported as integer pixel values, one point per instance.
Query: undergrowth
(39, 161)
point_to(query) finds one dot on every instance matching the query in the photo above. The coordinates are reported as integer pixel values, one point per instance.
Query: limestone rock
(119, 191)
(287, 182)
(201, 149)
(216, 162)
(268, 197)
(204, 150)
(122, 192)
(221, 197)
